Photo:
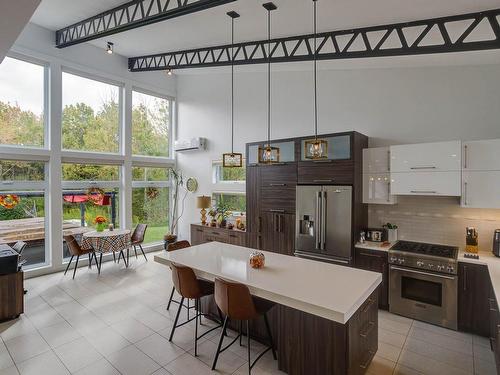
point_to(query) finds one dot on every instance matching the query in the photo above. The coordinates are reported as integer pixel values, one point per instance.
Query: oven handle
(422, 273)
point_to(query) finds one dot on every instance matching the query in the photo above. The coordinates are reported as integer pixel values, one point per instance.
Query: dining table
(108, 241)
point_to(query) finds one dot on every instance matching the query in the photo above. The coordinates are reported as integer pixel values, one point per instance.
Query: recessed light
(170, 72)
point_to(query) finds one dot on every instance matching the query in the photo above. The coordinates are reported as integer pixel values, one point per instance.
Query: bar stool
(189, 286)
(172, 247)
(236, 302)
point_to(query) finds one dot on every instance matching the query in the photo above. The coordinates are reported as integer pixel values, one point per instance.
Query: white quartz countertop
(487, 258)
(331, 291)
(369, 245)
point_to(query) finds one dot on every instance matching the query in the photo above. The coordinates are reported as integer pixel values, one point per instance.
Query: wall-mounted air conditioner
(190, 144)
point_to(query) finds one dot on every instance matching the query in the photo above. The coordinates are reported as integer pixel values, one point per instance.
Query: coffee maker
(496, 243)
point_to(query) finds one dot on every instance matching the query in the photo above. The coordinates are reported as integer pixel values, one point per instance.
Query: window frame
(216, 172)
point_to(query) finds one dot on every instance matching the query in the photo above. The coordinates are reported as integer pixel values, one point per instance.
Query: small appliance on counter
(471, 241)
(376, 234)
(496, 243)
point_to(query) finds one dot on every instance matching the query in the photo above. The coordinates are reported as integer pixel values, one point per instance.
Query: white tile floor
(117, 323)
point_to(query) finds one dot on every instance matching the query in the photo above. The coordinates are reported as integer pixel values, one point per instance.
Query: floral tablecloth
(107, 241)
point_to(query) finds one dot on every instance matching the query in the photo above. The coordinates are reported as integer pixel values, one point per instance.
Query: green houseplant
(223, 213)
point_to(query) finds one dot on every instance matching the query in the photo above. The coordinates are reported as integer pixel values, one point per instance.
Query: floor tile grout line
(402, 348)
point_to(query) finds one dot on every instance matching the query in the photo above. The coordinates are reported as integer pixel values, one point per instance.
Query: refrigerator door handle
(318, 221)
(323, 221)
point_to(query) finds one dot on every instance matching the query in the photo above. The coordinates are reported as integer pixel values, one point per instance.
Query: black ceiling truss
(131, 15)
(467, 32)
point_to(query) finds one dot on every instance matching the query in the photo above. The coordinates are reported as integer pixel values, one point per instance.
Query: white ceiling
(212, 26)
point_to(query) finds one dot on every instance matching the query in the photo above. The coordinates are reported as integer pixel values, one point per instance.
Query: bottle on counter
(471, 240)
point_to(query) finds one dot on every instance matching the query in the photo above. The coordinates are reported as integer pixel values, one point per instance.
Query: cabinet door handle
(281, 223)
(260, 224)
(280, 211)
(368, 305)
(370, 255)
(330, 180)
(465, 194)
(367, 330)
(426, 167)
(423, 191)
(389, 191)
(322, 161)
(277, 184)
(465, 156)
(464, 281)
(365, 365)
(389, 160)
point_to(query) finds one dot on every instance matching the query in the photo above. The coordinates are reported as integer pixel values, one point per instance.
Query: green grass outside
(155, 234)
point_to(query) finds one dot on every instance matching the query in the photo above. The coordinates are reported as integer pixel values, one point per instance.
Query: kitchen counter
(369, 245)
(317, 288)
(332, 310)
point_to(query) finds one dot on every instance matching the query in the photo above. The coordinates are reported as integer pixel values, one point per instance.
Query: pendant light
(269, 154)
(232, 159)
(316, 148)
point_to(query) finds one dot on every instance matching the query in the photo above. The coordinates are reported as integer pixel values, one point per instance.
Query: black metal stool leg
(100, 264)
(170, 299)
(67, 267)
(143, 253)
(90, 261)
(226, 320)
(248, 349)
(135, 251)
(76, 266)
(197, 316)
(268, 328)
(114, 257)
(241, 331)
(176, 319)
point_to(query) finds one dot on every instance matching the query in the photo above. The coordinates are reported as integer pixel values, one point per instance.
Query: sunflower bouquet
(100, 223)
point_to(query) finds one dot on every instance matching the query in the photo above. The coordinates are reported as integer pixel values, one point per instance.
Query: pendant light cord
(315, 77)
(269, 78)
(232, 85)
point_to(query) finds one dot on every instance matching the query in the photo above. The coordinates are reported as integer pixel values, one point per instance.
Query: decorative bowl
(257, 260)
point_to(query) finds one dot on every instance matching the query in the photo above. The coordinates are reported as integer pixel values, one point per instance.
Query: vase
(100, 227)
(392, 235)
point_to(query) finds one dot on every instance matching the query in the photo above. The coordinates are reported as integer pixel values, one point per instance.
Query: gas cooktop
(420, 248)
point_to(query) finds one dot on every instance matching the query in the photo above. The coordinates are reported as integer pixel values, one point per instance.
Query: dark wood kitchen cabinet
(278, 233)
(376, 261)
(203, 233)
(473, 298)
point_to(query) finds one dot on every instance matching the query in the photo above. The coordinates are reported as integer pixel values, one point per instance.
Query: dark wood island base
(311, 345)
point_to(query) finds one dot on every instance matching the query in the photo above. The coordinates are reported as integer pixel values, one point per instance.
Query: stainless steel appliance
(496, 243)
(423, 282)
(376, 234)
(324, 223)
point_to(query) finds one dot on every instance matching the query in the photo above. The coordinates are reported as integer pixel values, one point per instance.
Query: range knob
(440, 267)
(393, 259)
(450, 269)
(430, 265)
(401, 260)
(420, 263)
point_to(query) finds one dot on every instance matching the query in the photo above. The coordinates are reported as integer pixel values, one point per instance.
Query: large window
(151, 201)
(150, 125)
(22, 208)
(89, 190)
(90, 114)
(233, 201)
(22, 103)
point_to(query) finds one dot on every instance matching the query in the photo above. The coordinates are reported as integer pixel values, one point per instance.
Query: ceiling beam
(131, 15)
(459, 33)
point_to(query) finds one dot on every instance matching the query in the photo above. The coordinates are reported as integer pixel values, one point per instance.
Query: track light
(109, 49)
(169, 72)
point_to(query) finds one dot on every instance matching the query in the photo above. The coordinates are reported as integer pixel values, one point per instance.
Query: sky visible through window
(21, 83)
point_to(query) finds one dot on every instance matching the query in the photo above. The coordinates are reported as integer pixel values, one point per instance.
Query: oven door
(423, 296)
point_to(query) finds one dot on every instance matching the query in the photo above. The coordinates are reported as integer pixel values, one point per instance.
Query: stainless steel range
(423, 282)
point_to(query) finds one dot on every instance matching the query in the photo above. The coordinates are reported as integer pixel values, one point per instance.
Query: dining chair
(236, 303)
(76, 250)
(138, 238)
(173, 247)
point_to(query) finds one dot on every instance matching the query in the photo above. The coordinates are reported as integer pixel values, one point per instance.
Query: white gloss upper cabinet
(376, 160)
(481, 189)
(446, 183)
(481, 155)
(426, 157)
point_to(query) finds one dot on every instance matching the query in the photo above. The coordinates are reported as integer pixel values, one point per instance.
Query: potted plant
(177, 184)
(392, 232)
(223, 213)
(100, 223)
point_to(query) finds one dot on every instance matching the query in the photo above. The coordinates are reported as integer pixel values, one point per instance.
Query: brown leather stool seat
(236, 302)
(190, 287)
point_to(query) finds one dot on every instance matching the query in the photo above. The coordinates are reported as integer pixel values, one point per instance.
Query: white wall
(390, 105)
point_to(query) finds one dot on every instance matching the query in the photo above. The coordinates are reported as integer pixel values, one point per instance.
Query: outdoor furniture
(19, 246)
(106, 242)
(76, 250)
(138, 239)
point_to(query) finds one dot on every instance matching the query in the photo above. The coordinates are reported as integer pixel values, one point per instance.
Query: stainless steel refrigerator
(324, 223)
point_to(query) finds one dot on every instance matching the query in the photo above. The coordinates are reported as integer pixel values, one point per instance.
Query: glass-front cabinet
(281, 152)
(336, 147)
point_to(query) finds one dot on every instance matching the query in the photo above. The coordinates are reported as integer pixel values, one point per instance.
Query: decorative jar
(257, 260)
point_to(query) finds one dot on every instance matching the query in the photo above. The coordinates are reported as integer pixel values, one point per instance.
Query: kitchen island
(326, 317)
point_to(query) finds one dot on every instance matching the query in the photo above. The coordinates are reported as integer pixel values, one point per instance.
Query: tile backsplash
(436, 220)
